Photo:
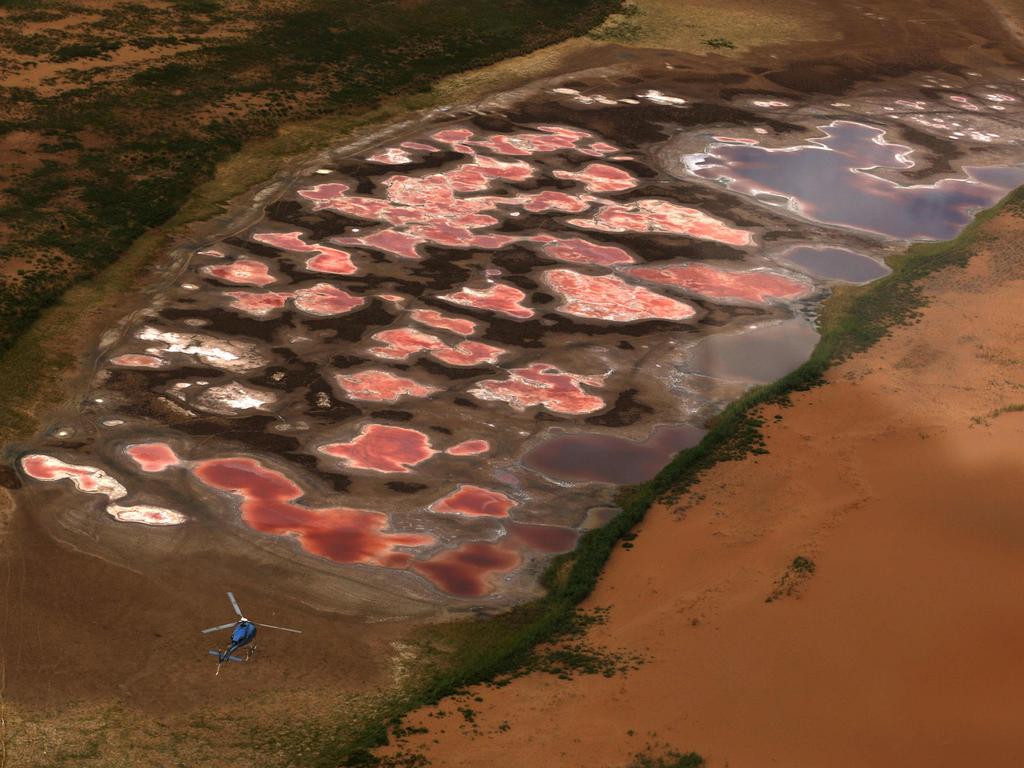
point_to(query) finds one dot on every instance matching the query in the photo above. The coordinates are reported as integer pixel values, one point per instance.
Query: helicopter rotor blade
(215, 629)
(234, 604)
(271, 626)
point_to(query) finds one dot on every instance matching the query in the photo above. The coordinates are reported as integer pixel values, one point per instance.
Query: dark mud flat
(835, 264)
(413, 373)
(606, 458)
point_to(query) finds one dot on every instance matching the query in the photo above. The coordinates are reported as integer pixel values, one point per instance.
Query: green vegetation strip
(127, 163)
(853, 320)
(119, 156)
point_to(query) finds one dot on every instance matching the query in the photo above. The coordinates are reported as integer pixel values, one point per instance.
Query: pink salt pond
(548, 138)
(85, 478)
(145, 514)
(153, 457)
(381, 386)
(326, 300)
(390, 241)
(467, 570)
(383, 448)
(473, 500)
(435, 319)
(329, 260)
(756, 286)
(579, 251)
(610, 298)
(551, 200)
(501, 298)
(341, 534)
(600, 177)
(661, 216)
(321, 299)
(258, 304)
(94, 480)
(469, 448)
(544, 385)
(467, 353)
(402, 343)
(138, 361)
(241, 272)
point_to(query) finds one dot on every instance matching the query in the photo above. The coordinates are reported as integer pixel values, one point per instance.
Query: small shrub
(719, 42)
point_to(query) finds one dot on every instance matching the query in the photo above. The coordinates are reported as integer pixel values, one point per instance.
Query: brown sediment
(901, 485)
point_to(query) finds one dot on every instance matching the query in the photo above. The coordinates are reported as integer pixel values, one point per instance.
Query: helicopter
(243, 634)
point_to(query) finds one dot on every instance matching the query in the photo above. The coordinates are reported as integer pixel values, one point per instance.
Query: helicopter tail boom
(222, 657)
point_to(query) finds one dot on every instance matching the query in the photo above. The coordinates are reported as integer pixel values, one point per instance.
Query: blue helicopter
(244, 634)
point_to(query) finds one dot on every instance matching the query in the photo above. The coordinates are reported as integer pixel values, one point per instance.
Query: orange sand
(905, 648)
